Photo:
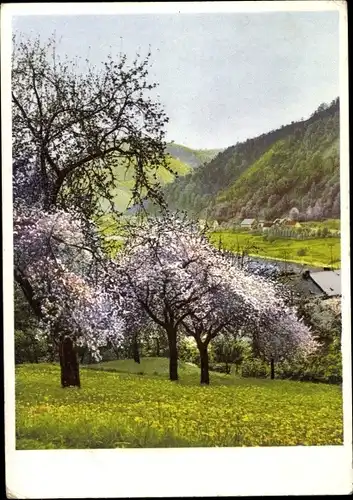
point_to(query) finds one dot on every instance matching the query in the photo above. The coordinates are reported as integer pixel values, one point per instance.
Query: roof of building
(328, 281)
(303, 287)
(248, 221)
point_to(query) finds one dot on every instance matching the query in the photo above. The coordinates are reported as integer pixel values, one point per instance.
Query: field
(116, 409)
(317, 251)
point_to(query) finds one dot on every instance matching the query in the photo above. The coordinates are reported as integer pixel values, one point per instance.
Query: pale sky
(223, 78)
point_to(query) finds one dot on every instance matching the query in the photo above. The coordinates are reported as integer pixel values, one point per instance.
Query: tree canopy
(72, 123)
(170, 271)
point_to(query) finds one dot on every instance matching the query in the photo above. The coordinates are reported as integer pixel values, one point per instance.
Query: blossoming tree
(71, 126)
(60, 270)
(170, 270)
(156, 272)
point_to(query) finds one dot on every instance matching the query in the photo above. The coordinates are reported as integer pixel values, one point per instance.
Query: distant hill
(192, 157)
(296, 165)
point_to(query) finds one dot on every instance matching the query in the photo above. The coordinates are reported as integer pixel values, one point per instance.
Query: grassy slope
(206, 155)
(123, 410)
(148, 366)
(125, 181)
(318, 250)
(191, 157)
(330, 224)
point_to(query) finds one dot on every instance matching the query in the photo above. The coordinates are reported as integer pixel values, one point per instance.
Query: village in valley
(324, 280)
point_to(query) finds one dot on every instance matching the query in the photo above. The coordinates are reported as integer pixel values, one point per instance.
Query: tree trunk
(135, 350)
(157, 348)
(173, 355)
(272, 368)
(52, 353)
(227, 367)
(116, 352)
(70, 375)
(205, 374)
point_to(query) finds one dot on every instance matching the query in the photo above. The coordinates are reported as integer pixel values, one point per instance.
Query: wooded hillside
(296, 165)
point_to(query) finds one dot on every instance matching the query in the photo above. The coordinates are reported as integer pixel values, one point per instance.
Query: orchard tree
(323, 317)
(294, 214)
(73, 123)
(159, 271)
(72, 126)
(58, 265)
(220, 309)
(282, 338)
(170, 270)
(237, 300)
(138, 328)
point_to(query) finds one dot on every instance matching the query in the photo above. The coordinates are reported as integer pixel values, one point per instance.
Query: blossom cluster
(170, 270)
(64, 266)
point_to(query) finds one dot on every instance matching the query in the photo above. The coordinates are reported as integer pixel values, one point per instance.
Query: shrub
(318, 368)
(256, 368)
(28, 349)
(188, 351)
(220, 368)
(271, 238)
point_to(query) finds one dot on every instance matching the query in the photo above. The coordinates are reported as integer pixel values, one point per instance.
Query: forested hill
(296, 165)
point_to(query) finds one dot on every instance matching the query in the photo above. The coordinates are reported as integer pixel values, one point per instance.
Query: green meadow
(125, 405)
(317, 251)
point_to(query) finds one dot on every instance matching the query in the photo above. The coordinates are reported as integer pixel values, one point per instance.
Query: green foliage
(220, 368)
(188, 351)
(324, 318)
(28, 349)
(227, 352)
(255, 368)
(326, 368)
(270, 238)
(122, 410)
